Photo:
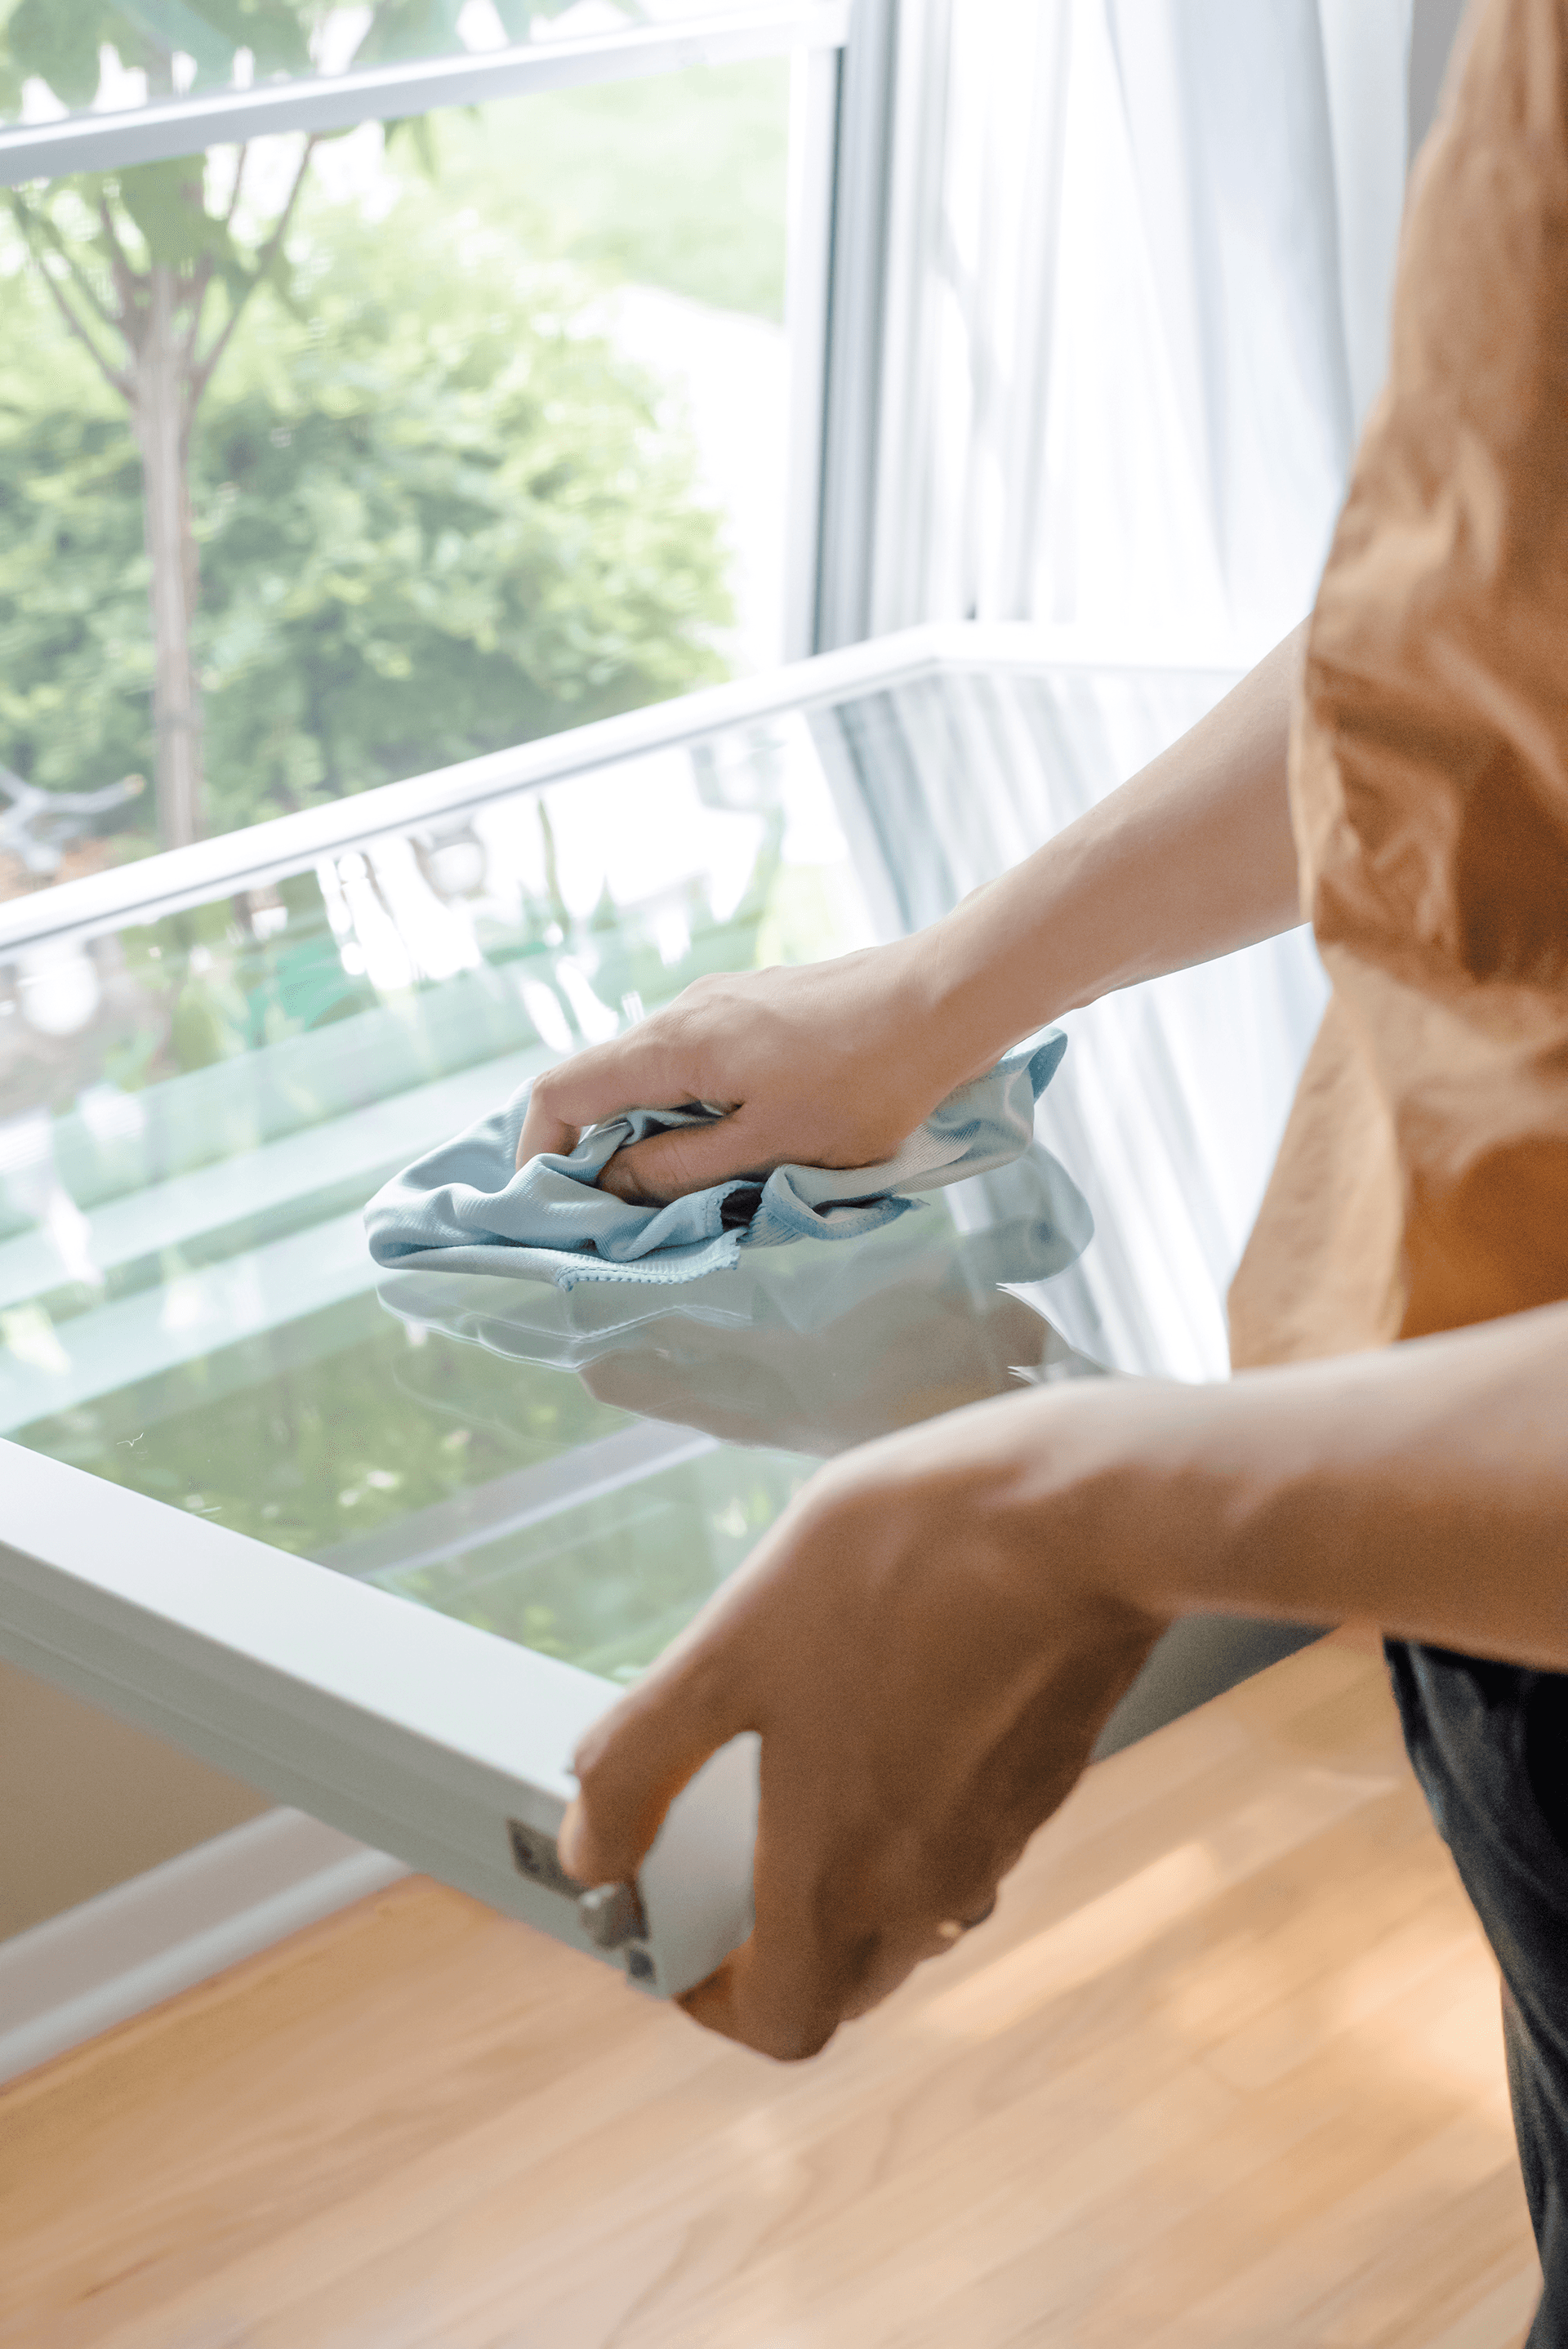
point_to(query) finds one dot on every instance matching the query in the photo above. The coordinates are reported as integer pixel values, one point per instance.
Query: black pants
(1489, 1745)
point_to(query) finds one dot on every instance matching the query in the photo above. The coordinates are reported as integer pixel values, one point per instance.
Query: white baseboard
(114, 1956)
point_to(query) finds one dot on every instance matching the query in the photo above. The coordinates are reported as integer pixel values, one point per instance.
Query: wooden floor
(1224, 2069)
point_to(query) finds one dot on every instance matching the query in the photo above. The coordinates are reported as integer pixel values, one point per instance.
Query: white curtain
(1140, 254)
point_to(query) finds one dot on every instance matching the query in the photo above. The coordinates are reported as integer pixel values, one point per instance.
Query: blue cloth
(468, 1208)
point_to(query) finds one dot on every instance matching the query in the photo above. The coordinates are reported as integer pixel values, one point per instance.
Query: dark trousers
(1489, 1745)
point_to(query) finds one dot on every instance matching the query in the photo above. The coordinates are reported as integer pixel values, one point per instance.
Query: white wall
(87, 1802)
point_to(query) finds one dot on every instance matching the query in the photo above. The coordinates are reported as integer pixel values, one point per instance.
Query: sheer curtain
(1137, 262)
(1139, 255)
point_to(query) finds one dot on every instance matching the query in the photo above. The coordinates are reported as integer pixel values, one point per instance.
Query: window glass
(326, 463)
(197, 1100)
(195, 1105)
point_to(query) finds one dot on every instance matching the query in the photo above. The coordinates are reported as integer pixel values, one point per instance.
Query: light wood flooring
(1224, 2069)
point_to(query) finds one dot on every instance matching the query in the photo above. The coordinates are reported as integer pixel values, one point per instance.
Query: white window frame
(108, 141)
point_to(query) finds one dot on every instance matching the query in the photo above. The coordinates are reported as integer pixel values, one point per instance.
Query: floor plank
(1223, 2071)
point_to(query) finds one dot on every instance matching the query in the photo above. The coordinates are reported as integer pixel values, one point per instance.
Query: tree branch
(116, 382)
(240, 161)
(121, 258)
(41, 223)
(201, 375)
(127, 278)
(195, 295)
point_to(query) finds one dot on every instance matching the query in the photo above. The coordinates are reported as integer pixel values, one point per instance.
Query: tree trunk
(162, 427)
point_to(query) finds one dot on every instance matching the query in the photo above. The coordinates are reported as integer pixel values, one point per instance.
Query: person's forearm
(1193, 857)
(1423, 1488)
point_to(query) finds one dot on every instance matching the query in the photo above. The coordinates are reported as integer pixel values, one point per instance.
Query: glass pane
(486, 439)
(194, 1110)
(65, 57)
(195, 1107)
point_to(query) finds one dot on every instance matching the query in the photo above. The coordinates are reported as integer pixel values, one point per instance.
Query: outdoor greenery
(678, 182)
(427, 527)
(339, 1425)
(320, 467)
(312, 479)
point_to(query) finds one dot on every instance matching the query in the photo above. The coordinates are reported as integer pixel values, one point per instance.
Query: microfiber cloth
(468, 1207)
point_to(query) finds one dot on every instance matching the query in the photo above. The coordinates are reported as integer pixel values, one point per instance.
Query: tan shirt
(1423, 1180)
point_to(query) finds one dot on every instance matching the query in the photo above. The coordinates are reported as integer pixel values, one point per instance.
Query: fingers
(835, 1933)
(631, 1071)
(630, 1768)
(812, 1962)
(543, 1131)
(848, 1902)
(736, 2001)
(690, 1158)
(787, 1988)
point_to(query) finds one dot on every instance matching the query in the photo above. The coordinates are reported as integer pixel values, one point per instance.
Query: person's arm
(933, 1635)
(835, 1063)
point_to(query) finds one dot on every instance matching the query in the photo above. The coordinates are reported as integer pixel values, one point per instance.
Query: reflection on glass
(609, 1581)
(193, 1111)
(326, 463)
(799, 1353)
(812, 1350)
(195, 1107)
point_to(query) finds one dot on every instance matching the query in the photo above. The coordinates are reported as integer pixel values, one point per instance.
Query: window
(385, 385)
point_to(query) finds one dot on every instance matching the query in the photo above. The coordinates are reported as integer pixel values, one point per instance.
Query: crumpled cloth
(466, 1206)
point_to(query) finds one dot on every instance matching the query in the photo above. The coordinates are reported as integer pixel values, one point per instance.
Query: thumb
(688, 1158)
(630, 1767)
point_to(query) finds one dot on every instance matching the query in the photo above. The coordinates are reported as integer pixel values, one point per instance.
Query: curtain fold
(1226, 108)
(1139, 260)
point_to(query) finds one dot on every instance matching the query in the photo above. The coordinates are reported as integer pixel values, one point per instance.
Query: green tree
(435, 515)
(151, 268)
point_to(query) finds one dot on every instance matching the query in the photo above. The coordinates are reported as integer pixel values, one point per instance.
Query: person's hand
(928, 1643)
(836, 1064)
(827, 1064)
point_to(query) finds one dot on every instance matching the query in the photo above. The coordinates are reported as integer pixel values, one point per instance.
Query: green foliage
(59, 45)
(165, 201)
(76, 647)
(436, 516)
(428, 521)
(677, 183)
(58, 40)
(336, 1426)
(90, 228)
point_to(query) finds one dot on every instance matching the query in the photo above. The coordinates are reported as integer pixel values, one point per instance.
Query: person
(931, 1637)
